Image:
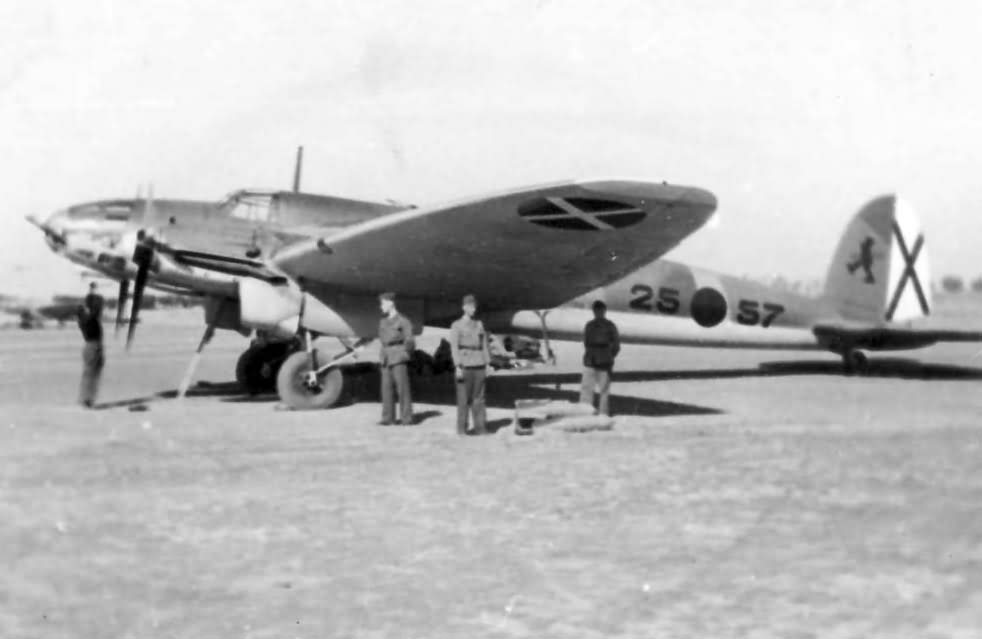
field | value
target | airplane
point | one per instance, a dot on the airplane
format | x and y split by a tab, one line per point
31	314
290	267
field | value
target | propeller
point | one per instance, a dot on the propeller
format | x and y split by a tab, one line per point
144	255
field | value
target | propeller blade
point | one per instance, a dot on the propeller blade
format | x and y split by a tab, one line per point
297	169
143	257
124	291
149	211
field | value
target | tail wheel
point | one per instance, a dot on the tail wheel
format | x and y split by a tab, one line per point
296	391
855	362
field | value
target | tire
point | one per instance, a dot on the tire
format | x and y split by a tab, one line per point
258	366
244	369
295	394
855	363
271	358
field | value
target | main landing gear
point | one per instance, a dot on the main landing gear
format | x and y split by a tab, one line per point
259	364
307	382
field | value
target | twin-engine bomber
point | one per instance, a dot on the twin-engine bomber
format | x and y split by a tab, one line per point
287	267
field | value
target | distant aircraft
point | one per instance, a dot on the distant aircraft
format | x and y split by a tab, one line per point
290	266
34	315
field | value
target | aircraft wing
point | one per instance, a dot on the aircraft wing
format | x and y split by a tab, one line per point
535	247
889	337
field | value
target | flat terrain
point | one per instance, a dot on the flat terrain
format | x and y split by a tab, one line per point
741	494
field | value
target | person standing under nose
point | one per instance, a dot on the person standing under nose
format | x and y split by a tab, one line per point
89	315
602	344
395	332
472	359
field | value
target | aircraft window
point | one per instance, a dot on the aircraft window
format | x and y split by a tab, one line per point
84	210
117	213
254	207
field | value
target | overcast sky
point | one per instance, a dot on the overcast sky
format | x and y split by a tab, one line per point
792	113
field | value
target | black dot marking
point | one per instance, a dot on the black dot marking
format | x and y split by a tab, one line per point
708	307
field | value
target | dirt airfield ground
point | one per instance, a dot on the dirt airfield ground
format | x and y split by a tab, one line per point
741	494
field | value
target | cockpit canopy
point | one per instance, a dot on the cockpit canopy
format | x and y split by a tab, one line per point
289	208
250	205
110	210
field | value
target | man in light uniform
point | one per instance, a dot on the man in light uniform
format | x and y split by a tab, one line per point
472	359
93	356
395	332
602	343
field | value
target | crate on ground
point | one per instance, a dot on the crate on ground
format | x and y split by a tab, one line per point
531	414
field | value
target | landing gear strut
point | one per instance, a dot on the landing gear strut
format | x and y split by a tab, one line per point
304	383
550	354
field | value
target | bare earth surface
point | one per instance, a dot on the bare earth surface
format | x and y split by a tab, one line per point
741	494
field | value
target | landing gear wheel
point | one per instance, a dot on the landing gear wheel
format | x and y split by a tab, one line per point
258	366
296	391
855	363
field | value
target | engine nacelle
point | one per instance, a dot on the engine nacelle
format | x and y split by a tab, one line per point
284	310
223	312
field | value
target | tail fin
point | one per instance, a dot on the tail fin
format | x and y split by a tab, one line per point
880	271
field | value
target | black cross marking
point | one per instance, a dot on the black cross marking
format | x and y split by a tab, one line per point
910	259
568	211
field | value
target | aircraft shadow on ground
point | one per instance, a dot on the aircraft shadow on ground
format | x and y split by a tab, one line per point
503	390
897	367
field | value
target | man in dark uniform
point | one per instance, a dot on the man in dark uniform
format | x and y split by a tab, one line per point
472	359
602	343
395	332
93	357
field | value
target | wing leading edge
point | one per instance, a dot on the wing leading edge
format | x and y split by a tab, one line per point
535	247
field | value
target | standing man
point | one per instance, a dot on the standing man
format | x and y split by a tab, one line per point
93	357
471	358
602	343
395	332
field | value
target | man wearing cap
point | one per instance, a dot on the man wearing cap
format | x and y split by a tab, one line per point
395	333
471	358
602	343
89	315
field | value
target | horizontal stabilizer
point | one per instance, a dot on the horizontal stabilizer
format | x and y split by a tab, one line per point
840	338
